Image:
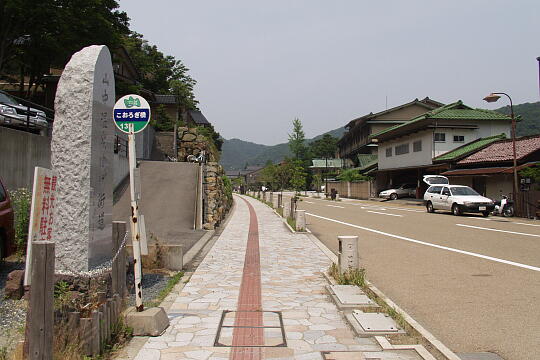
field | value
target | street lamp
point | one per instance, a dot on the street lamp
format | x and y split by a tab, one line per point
493	97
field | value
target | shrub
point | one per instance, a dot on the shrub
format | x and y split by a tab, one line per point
21	200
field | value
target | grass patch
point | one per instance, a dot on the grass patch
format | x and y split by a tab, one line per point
292	223
350	277
175	279
280	211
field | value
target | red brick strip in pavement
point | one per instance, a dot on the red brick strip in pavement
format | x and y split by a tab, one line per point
249	310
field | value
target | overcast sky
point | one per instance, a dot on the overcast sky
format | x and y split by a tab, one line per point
260	64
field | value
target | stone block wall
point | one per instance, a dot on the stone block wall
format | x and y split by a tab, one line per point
192	143
216	202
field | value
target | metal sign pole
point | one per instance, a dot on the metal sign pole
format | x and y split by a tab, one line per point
135	237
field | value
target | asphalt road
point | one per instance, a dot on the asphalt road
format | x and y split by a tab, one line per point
473	282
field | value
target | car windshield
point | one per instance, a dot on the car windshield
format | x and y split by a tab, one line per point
4	99
464	191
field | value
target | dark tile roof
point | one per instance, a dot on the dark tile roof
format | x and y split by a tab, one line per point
165	99
469	148
198	117
502	151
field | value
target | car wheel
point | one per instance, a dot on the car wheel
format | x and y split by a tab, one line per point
485	213
429	207
393	196
456	210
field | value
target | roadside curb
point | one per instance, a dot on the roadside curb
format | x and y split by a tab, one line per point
434	344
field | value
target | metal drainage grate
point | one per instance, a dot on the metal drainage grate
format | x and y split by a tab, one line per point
256	329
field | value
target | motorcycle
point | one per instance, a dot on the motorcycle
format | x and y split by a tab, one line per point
504	207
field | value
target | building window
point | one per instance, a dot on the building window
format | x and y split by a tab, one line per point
417	146
440	137
389	152
459	138
402	149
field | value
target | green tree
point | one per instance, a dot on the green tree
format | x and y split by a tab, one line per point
298	176
324	147
268	175
351	175
36	35
297	141
161	121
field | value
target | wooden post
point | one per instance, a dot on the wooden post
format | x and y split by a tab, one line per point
109	318
86	336
96	340
119	265
102	310
41	316
74	323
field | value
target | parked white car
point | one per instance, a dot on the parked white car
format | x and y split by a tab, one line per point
405	190
458	199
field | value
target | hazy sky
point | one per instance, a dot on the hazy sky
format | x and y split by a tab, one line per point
259	64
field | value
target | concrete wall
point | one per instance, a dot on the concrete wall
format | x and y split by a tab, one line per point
20	152
355	190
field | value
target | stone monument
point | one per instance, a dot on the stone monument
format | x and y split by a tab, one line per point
82	155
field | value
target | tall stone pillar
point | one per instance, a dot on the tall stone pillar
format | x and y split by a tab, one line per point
82	155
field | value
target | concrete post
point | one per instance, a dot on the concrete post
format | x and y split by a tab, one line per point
300	220
337	197
275	202
286	209
271	197
348	254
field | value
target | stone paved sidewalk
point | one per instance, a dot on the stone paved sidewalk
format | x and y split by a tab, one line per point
291	286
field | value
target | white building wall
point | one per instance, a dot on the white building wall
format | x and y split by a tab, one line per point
431	149
410	159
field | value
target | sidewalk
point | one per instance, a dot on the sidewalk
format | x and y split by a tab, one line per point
259	289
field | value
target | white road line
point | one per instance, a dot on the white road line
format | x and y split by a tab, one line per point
508	262
497	230
523	223
376	212
341	207
308	202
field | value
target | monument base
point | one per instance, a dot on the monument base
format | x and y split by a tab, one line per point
149	322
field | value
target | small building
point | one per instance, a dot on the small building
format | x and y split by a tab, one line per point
324	166
490	170
195	118
406	151
169	103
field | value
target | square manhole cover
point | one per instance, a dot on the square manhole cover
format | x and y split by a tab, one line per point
375	322
251	329
351	295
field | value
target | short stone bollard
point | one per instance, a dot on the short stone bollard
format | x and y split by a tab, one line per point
348	254
337	197
300	220
286	209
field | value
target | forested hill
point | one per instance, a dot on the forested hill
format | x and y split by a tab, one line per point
237	153
530	117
